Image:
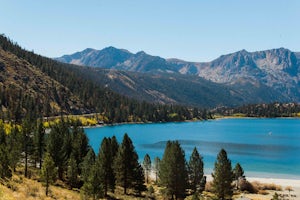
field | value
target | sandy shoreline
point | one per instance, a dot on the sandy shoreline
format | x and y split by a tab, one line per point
295	184
278	181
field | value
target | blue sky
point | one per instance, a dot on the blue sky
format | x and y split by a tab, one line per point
193	30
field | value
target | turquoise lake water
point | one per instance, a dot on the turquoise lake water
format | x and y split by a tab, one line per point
264	147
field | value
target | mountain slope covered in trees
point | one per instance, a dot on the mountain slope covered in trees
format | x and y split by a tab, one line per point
76	92
23	87
271	75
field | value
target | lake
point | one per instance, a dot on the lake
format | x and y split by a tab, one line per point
264	147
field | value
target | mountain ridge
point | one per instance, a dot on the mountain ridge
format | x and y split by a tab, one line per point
274	69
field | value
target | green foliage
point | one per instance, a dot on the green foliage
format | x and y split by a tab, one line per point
5	171
79	144
156	167
222	177
196	173
263	110
72	172
173	171
104	161
126	166
27	132
48	172
147	166
87	163
14	145
39	143
93	187
55	147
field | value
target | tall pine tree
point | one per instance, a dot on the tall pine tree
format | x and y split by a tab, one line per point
39	143
105	160
126	166
223	177
196	172
48	172
156	167
173	170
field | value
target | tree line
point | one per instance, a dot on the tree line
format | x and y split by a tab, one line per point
64	153
263	110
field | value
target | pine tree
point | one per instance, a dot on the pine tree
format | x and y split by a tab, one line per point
48	172
238	173
5	171
126	165
195	172
87	163
156	168
139	180
223	177
27	142
114	146
55	147
93	186
39	143
147	166
80	144
14	145
104	160
72	172
173	170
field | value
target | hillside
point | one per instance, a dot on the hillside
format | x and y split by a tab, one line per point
174	88
36	92
50	88
263	76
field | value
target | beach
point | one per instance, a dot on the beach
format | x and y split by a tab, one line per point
295	184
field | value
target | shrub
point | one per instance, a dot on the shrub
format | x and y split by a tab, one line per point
247	186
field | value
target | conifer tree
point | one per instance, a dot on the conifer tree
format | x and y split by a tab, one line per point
195	172
5	171
39	142
156	167
86	165
238	172
223	177
80	144
114	146
126	165
147	166
14	145
55	147
104	160
93	186
139	180
72	172
48	172
173	171
27	142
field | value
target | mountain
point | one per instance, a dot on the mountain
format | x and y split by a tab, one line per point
271	75
166	88
113	58
35	86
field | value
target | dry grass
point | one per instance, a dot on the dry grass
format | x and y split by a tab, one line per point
19	188
266	186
